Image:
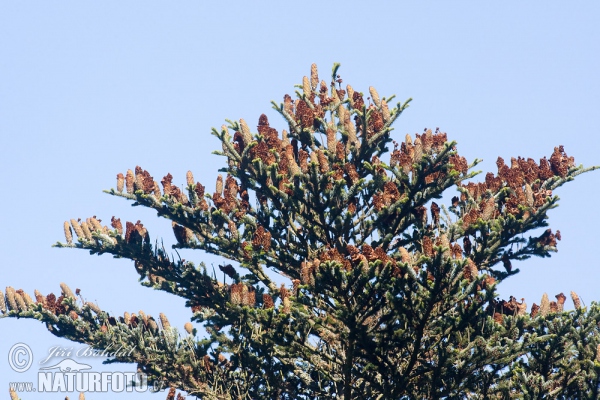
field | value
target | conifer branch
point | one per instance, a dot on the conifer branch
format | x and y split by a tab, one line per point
385	293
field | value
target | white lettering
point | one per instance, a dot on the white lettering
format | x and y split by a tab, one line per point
96	380
143	383
92	382
70	378
118	382
59	384
45	381
85	352
57	351
105	381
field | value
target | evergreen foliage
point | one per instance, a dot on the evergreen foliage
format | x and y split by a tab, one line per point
342	275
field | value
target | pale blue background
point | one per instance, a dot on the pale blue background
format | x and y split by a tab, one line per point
88	90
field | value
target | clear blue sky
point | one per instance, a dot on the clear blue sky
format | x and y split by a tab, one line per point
90	90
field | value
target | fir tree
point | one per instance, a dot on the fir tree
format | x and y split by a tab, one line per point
386	294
